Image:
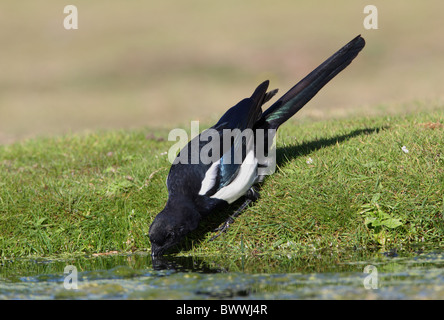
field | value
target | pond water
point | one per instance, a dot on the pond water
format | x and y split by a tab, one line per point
353	274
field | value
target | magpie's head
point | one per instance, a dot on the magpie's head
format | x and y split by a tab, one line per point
170	226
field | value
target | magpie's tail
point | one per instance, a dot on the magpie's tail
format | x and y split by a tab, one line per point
301	93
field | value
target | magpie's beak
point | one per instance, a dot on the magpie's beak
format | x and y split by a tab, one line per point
156	251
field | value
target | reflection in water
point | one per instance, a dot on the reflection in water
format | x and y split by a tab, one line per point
182	264
320	275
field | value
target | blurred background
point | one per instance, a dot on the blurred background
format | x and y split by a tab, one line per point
163	63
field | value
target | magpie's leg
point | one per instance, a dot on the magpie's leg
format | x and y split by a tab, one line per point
251	196
224	227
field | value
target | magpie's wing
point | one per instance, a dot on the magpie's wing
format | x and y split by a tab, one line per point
233	144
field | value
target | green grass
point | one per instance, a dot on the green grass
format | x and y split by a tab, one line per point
99	192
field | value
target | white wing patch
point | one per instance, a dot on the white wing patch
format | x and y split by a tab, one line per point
244	180
210	178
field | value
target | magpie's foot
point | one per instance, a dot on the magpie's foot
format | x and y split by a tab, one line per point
224	227
252	194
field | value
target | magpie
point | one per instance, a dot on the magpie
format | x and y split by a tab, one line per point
200	182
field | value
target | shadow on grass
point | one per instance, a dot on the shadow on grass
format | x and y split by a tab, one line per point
283	156
286	154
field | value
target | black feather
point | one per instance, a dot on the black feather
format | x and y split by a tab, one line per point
304	90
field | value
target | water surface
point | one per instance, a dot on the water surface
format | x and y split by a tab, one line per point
353	274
